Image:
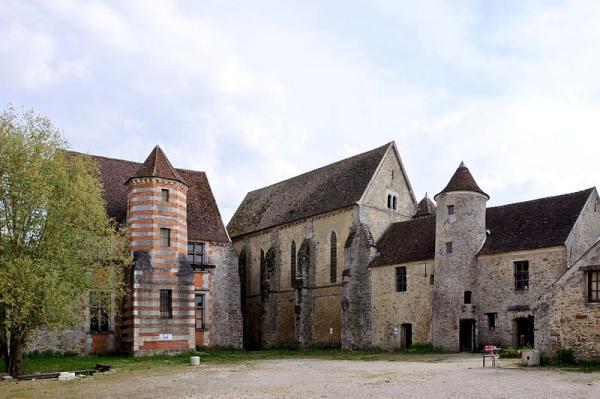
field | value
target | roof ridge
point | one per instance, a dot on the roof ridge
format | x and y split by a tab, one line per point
323	167
542	198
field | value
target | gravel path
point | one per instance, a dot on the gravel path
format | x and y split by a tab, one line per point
448	377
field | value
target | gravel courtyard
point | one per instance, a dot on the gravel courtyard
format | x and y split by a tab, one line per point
444	376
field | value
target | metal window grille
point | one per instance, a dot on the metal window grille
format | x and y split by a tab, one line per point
166	304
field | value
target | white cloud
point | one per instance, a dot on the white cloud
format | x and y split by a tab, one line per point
257	92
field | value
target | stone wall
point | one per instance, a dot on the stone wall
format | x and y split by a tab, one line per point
565	318
586	230
496	290
225	312
320	299
64	341
391	309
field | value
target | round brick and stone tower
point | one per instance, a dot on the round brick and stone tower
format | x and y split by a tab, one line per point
460	233
159	311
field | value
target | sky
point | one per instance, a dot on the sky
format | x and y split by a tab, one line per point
254	92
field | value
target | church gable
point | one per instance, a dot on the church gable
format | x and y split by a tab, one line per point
390	188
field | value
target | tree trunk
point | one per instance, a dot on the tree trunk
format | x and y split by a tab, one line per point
15	358
4	354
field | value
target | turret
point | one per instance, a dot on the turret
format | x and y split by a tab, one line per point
460	233
426	207
162	281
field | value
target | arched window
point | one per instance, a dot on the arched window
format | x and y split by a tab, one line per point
333	257
394	204
293	264
389	203
262	266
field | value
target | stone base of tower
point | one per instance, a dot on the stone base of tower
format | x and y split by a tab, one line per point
146	330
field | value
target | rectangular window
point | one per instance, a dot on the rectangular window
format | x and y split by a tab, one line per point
450	209
165	237
467	297
99	311
200	312
522	275
594	286
195	254
401	279
166	304
449	247
165	194
491	319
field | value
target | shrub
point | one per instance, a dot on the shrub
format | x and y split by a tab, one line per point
511	353
424	347
564	357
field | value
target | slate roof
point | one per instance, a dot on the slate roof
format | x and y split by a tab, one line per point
157	165
462	180
204	219
541	223
335	186
425	208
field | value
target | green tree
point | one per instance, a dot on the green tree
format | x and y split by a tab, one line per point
56	241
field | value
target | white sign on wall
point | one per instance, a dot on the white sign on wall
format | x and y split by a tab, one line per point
165	337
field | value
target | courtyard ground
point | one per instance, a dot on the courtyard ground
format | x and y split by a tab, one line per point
423	376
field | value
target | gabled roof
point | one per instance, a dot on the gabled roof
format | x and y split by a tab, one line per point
462	180
158	165
204	219
541	223
425	208
335	186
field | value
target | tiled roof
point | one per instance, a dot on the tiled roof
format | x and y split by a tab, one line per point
157	165
408	241
425	208
335	186
204	219
540	223
462	180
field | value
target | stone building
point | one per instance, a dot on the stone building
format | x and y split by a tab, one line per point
183	287
343	255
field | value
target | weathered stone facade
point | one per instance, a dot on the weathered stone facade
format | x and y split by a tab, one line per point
471	275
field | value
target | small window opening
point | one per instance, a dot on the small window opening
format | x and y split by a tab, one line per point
401	279
491	319
467	297
394	202
333	258
392	174
165	194
450	209
389	201
200	311
165	237
166	304
449	247
431	279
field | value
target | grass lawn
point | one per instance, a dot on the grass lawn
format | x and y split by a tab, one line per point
53	363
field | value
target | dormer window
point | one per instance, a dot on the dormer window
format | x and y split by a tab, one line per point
164	195
450	209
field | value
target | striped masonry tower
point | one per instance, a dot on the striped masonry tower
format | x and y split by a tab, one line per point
159	311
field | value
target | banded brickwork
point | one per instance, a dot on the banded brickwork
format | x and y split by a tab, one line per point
157	235
203	281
